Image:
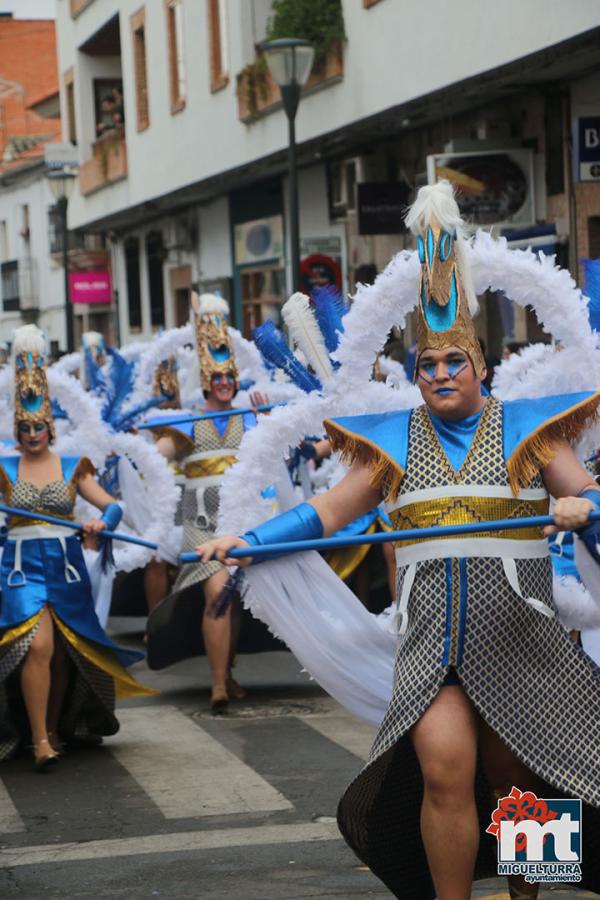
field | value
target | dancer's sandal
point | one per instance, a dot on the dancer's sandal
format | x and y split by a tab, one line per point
219	702
46	760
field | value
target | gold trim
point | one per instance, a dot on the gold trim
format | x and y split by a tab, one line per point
26	522
538	449
17	631
105	659
212	465
386	474
467	510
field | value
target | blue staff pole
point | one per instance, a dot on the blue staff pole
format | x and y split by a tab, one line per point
76	526
410	534
201	417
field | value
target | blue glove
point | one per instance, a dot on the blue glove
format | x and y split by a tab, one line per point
301	523
112	515
590	534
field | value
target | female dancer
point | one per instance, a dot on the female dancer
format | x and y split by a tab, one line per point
59	672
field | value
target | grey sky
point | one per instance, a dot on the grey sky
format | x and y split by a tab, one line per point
29	9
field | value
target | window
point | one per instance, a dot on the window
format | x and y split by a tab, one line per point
24	230
9	274
176	59
4	248
155	256
219	51
138	29
594	237
132	270
108	106
69	83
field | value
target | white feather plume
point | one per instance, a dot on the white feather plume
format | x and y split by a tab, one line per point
29	339
306	333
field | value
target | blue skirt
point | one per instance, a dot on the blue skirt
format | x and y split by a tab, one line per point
45	583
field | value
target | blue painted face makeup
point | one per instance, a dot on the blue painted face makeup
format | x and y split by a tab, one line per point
455	365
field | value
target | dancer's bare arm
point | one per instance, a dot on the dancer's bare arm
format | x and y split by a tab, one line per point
565	478
352	497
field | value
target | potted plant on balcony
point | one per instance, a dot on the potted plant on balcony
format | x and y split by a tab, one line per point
319	21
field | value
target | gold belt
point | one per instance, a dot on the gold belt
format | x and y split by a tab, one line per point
466	510
22	521
212	465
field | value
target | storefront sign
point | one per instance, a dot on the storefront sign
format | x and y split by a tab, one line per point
381	207
90	287
587	136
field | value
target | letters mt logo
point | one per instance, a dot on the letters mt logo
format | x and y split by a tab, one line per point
538	838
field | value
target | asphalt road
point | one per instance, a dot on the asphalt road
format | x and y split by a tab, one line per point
181	805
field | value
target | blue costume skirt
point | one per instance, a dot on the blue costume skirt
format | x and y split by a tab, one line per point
48	575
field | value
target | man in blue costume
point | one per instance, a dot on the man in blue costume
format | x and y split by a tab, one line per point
489	690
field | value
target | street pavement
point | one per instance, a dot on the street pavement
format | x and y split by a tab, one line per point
181	805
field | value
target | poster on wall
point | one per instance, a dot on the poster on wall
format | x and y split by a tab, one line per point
494	187
320	263
586	148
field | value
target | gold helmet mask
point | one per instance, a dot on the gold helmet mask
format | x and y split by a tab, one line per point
32	397
445	292
213	341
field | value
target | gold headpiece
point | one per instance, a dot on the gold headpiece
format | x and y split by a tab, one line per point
165	383
444	314
213	341
32	397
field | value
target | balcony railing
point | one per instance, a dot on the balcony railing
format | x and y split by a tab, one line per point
19	279
259	95
107	165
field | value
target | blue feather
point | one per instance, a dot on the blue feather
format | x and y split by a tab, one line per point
121	386
127	419
93	373
329	309
273	347
591	271
57	411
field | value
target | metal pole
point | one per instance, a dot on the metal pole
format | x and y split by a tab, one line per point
65	252
290	95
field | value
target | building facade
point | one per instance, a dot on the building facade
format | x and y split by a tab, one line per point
182	142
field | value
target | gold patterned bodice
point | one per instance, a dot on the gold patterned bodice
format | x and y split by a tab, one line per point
207	441
433	493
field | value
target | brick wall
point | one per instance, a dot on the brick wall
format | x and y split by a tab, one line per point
28	72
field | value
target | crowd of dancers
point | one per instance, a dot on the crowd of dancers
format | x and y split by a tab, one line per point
483	672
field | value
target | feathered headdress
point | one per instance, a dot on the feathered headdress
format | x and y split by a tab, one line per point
446	296
314	324
32	397
165	383
213	341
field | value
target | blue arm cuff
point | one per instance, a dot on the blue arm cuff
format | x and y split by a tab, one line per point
112	515
297	524
590	534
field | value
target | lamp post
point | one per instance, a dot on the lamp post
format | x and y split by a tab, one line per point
61	182
290	61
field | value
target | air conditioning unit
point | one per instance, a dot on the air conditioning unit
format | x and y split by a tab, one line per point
344	175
